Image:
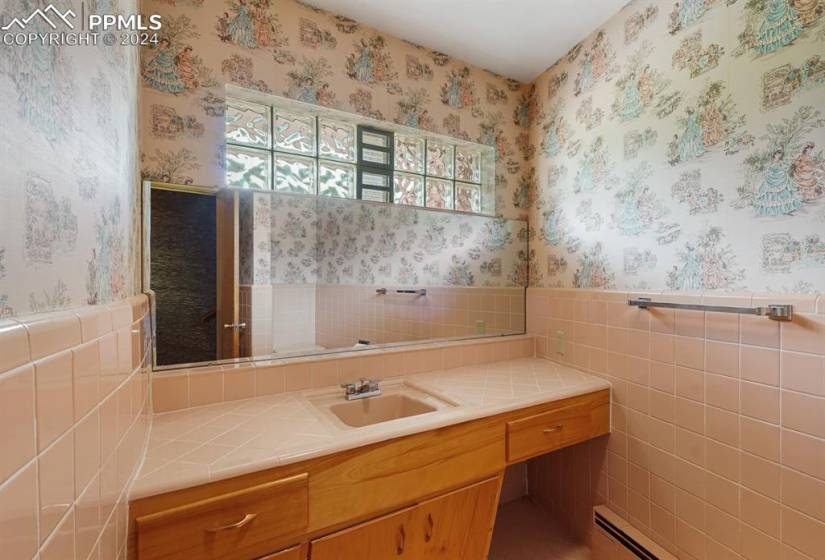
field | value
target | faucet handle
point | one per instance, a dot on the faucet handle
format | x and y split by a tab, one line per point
349	387
373	383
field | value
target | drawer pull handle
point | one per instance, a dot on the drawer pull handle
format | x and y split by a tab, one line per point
428	533
247	519
402	541
553	429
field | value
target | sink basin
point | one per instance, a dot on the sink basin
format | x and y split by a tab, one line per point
396	401
373	410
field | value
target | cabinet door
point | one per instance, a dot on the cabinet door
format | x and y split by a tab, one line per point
293	553
454	526
384	538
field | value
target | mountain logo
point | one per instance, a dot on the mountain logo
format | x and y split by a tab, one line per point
50	10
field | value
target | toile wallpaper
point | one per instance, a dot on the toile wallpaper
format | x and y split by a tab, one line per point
289	49
296	239
642	158
68	217
680	147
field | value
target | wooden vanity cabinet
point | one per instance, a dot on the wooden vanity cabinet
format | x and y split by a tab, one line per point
416	497
457	525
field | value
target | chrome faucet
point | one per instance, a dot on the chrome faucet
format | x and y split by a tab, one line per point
361	389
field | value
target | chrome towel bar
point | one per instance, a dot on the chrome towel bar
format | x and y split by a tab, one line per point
418	292
777	312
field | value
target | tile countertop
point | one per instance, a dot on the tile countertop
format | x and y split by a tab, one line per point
199	445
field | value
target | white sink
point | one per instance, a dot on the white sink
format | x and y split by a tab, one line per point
397	400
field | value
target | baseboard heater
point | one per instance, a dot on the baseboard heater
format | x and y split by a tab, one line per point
623	538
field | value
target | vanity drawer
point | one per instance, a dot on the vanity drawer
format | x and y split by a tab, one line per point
554	429
239	525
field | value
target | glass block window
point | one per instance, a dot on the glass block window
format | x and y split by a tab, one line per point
336	179
247	168
440	167
248	125
337	140
440	160
326	155
468	165
409	189
439	194
294	133
409	154
467	197
295	174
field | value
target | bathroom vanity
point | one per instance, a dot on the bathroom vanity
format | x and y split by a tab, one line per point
376	480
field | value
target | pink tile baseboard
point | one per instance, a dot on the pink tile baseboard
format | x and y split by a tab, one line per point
717	445
74	389
179	389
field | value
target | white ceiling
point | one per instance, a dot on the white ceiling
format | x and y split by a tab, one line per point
516	38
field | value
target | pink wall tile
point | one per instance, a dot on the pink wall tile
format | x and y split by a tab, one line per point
50	333
760	438
690	383
722	460
731	442
722	392
803	372
239	384
95	322
760	401
804	494
759	364
17	430
804	334
760	475
760	512
206	388
722	358
14	345
54	397
42	509
756	331
87	449
757	545
803	533
170	392
804	413
86	377
55	470
18	514
60	545
690	352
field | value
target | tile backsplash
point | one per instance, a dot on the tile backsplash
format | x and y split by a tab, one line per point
74	389
184	388
717	445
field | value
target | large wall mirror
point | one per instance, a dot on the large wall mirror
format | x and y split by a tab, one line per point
241	274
